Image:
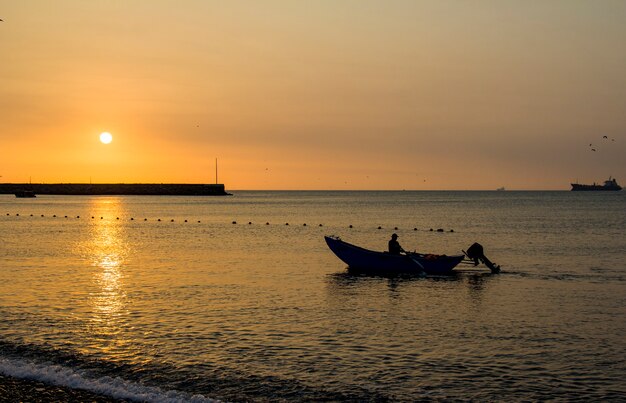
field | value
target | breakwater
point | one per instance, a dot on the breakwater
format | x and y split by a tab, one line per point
139	189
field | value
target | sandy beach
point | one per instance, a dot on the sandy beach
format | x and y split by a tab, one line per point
24	390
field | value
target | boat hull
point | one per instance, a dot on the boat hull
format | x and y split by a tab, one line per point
364	260
25	194
578	187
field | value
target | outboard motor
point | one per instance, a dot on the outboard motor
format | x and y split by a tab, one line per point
476	253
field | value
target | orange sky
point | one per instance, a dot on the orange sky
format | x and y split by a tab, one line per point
314	95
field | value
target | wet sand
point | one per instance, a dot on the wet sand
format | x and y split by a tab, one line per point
24	390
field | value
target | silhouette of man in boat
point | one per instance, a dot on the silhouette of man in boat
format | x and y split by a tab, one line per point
394	245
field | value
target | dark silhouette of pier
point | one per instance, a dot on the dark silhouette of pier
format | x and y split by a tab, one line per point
139	189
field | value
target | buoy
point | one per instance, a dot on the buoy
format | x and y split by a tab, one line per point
439	229
350	226
101	218
304	225
172	220
19	215
42	215
234	222
451	230
395	228
321	225
414	229
286	223
431	230
379	227
132	219
145	219
91	216
159	219
54	215
267	223
249	222
65	216
117	218
198	221
31	215
185	220
77	216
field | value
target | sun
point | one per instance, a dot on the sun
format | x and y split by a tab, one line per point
106	137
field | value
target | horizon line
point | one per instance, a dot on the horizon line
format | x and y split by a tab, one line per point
292	190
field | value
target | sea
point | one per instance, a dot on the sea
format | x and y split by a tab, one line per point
238	298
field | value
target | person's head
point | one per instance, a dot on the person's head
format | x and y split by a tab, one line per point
394	236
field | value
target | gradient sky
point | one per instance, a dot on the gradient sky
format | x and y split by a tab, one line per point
314	94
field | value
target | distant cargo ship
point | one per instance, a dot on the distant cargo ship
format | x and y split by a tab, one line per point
610	184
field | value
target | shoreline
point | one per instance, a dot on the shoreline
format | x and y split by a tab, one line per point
28	390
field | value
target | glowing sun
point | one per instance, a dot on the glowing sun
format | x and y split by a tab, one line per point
106	137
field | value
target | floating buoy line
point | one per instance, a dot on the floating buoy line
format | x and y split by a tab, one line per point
234	222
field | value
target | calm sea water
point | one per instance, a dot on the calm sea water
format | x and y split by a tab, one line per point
194	307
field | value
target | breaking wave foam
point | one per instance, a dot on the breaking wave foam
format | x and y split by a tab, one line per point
113	387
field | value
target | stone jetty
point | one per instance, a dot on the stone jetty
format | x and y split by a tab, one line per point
139	189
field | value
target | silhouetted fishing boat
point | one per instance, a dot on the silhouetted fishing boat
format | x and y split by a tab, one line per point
610	184
25	193
369	261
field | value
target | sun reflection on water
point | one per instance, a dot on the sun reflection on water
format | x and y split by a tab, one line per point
107	251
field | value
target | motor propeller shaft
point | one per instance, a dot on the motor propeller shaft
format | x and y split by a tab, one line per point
476	253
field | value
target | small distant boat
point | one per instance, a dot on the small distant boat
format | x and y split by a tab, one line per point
610	184
501	189
25	193
369	261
